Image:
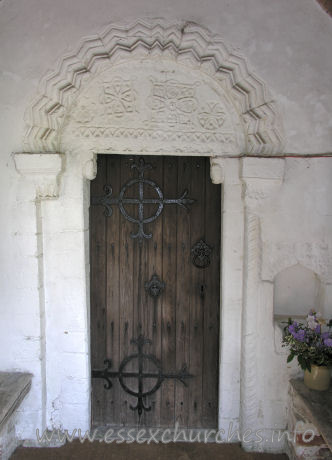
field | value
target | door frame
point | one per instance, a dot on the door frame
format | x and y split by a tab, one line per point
56	193
60	184
56	213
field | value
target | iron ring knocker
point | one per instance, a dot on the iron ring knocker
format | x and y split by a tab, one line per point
200	254
155	287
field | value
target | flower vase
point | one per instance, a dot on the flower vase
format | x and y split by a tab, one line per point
318	378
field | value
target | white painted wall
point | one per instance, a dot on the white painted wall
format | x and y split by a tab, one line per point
288	45
296	225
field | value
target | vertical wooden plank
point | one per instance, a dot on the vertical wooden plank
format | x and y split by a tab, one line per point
98	292
212	302
197	287
168	320
140	273
183	291
127	300
113	289
153	307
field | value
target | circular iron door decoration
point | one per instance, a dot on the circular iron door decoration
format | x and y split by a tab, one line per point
200	254
140	375
140	200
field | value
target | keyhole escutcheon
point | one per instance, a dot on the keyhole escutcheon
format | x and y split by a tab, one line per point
202	290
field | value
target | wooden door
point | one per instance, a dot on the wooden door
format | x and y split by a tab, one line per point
155	226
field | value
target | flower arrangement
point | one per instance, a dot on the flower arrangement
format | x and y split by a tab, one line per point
310	342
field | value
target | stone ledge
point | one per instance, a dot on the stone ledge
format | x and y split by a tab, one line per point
13	388
317	406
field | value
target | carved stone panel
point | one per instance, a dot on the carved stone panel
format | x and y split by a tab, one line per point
157	107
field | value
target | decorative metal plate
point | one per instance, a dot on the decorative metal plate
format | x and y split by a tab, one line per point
201	253
140	201
140	374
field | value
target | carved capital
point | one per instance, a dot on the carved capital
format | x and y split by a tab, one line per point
89	168
217	172
262	177
43	169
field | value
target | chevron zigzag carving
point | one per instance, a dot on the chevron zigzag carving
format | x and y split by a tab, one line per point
185	43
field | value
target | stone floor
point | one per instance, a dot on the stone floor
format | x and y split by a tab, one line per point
174	451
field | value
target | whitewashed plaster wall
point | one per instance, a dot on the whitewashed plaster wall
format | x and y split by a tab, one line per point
288	46
286	224
287	43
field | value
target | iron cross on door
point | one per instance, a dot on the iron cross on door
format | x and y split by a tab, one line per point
154	254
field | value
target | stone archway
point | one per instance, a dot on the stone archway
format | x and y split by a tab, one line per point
155	88
183	43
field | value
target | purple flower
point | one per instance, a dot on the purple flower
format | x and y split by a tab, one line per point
317	330
292	327
300	335
325	335
328	342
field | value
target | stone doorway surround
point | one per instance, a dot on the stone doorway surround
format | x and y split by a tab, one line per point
189	74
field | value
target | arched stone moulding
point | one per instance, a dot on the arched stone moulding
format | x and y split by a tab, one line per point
184	43
255	121
315	256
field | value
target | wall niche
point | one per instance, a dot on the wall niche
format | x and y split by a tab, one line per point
296	290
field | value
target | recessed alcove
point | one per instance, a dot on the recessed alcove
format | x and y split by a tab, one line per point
296	290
